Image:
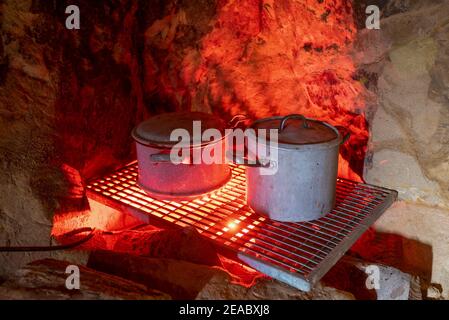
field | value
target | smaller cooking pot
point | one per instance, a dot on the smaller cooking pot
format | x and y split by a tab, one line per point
159	176
304	164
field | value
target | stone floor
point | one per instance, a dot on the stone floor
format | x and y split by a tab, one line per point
425	242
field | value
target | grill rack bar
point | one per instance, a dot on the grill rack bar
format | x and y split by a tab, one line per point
296	253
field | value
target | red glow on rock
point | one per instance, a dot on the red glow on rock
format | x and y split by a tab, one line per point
279	57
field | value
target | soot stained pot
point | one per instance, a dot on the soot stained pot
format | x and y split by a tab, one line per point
304	186
161	178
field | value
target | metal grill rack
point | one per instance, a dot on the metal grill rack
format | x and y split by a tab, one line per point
296	253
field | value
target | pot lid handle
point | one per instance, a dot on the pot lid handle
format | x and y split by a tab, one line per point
293	116
236	120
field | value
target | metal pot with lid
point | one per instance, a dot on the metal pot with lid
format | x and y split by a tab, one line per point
305	159
163	179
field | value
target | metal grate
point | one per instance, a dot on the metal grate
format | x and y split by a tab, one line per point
295	253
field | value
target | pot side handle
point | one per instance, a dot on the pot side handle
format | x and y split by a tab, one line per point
160	157
245	161
237	120
165	158
345	133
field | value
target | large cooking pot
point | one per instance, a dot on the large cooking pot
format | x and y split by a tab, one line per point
159	176
304	165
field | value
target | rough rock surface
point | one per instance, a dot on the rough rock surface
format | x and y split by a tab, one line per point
46	279
183	244
410	129
179	244
371	280
183	280
348	279
180	279
220	288
407	67
67	98
414	239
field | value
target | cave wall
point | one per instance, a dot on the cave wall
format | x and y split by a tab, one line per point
262	58
69	98
409	56
407	65
68	101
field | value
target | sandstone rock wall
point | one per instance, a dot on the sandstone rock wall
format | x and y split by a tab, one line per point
409	147
68	99
407	61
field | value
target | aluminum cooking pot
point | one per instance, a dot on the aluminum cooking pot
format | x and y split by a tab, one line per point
161	178
303	187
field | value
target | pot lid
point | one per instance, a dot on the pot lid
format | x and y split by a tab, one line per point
157	130
298	130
